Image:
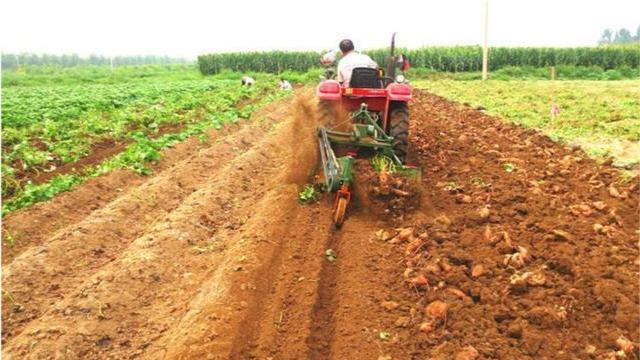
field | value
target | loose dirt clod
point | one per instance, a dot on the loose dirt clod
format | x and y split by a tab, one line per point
403	234
419	282
428	326
457	293
385	235
444	221
615	193
625	345
477	271
487	234
390	305
561	235
518	259
600	205
529	278
581	210
437	310
484	212
467	353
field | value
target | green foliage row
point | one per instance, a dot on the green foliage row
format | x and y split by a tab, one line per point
45	126
90	74
145	148
563	72
97	74
449	59
271	62
59	124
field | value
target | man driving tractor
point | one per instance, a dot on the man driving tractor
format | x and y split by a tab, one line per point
351	60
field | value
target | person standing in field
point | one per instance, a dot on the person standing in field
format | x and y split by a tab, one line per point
247	81
285	85
351	60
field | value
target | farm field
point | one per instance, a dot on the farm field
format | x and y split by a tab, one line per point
600	116
56	136
240	180
513	246
55	75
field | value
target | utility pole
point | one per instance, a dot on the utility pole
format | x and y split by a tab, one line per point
111	62
485	48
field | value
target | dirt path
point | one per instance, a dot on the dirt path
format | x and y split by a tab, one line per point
214	258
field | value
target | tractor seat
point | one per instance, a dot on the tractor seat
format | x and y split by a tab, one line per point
363	77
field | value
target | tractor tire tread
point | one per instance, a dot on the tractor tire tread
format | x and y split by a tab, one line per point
399	123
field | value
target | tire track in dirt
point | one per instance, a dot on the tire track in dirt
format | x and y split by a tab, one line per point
95	316
348	317
42	275
318	309
279	322
320	339
350	327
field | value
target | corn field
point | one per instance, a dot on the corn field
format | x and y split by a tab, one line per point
450	59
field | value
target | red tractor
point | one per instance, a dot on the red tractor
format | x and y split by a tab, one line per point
378	103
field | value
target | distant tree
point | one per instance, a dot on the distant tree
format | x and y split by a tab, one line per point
623	36
637	37
606	37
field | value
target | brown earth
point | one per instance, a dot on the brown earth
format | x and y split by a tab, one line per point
212	257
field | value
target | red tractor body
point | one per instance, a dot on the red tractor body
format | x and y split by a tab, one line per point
377	100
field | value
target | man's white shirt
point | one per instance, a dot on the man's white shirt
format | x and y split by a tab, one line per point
247	80
351	61
285	85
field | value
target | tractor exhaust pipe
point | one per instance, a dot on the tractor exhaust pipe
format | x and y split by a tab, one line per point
391	60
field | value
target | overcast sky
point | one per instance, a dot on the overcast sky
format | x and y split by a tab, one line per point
188	28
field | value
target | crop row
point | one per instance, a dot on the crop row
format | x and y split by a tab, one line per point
46	126
144	149
453	59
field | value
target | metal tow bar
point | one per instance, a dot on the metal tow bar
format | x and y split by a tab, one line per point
338	176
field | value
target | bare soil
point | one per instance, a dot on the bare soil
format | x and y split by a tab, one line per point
529	246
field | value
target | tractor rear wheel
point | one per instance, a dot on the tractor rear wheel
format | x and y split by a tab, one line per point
399	130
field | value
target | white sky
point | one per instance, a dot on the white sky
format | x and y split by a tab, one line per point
189	28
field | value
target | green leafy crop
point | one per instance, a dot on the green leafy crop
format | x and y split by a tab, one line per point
308	194
44	127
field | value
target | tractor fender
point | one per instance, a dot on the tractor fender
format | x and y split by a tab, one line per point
399	92
329	90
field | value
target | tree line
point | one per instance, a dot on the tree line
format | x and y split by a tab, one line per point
622	36
13	61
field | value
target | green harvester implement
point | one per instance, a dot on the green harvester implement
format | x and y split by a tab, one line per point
338	171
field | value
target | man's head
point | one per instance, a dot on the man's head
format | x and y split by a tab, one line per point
346	46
